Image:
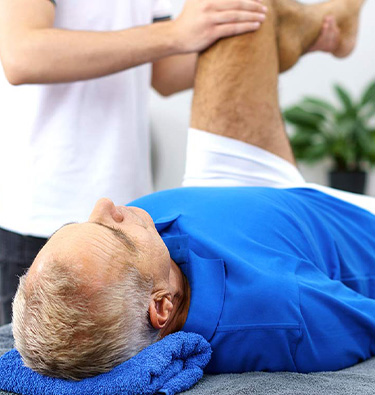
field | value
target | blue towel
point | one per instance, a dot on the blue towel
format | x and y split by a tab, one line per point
171	365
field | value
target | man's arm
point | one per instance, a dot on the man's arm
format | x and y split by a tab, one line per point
33	51
174	74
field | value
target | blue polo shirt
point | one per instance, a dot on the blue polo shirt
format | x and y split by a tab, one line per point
281	279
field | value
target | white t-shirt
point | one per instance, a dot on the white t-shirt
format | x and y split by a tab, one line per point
63	146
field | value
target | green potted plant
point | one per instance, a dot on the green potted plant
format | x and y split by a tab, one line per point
344	133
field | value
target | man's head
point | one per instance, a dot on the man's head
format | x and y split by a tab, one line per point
97	294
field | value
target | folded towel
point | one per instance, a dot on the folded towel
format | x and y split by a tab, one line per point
171	365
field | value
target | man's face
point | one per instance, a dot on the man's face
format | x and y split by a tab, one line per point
113	236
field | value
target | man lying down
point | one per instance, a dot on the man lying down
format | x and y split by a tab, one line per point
274	273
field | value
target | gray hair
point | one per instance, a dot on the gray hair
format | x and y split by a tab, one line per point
61	329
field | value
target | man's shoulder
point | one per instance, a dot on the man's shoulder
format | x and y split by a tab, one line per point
210	200
239	205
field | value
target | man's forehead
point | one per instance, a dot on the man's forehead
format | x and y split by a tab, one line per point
118	233
91	249
61	227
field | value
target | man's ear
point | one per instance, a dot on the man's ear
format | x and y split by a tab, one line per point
160	310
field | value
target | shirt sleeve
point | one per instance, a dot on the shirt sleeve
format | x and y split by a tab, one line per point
162	10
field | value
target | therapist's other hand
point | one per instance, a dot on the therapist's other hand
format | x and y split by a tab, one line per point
202	22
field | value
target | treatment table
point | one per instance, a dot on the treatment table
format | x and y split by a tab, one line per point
356	380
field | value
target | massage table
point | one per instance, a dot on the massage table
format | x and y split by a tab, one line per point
359	379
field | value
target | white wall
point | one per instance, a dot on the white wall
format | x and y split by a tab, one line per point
314	75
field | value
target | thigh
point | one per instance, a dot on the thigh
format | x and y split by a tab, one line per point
17	252
236	89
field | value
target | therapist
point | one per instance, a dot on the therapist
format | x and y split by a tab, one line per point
77	127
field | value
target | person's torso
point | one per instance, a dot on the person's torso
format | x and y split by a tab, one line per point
63	146
264	267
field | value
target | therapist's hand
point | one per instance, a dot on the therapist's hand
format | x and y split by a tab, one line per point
202	22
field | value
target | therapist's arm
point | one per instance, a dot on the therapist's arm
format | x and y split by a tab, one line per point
174	74
33	51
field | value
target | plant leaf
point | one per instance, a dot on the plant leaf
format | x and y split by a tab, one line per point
300	117
343	153
371	153
301	140
369	95
346	134
319	104
344	97
367	112
315	152
347	126
367	145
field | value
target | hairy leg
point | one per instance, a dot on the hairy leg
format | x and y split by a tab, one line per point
236	91
236	84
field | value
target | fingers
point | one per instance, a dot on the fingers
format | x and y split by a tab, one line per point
243	5
235	17
229	11
202	22
238	16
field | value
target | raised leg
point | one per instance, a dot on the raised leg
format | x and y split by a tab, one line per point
236	89
236	84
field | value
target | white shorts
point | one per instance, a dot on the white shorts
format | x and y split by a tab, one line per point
218	161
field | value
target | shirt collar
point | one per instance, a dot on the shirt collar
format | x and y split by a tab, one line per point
206	280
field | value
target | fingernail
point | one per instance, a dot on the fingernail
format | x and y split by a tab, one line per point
264	8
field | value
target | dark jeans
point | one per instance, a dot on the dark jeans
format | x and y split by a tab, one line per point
17	253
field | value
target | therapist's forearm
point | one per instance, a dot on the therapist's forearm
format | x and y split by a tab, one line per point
53	55
174	74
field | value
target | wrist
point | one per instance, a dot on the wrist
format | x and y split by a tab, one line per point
174	33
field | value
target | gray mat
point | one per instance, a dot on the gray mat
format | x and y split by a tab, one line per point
357	380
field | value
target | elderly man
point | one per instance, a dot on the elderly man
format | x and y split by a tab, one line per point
277	276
